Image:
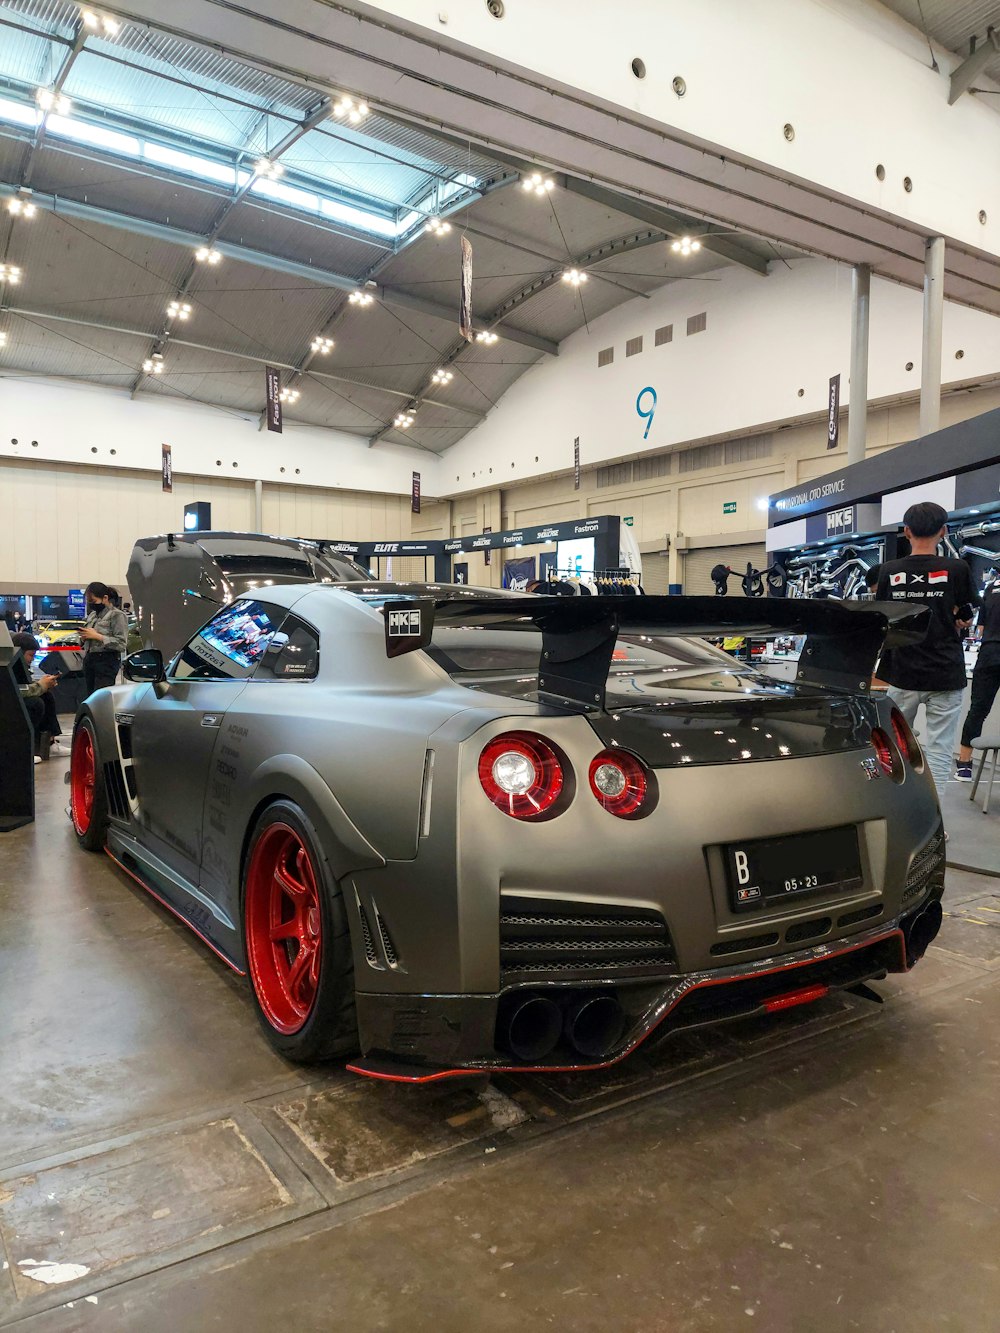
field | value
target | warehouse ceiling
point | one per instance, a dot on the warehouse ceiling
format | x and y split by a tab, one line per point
140	171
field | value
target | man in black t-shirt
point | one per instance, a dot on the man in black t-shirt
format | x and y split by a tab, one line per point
932	672
985	681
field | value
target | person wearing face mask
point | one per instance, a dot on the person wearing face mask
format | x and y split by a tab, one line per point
104	637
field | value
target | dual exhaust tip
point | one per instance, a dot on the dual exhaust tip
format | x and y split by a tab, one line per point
593	1026
922	931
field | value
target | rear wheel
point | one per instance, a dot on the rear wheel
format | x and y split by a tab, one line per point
297	938
88	800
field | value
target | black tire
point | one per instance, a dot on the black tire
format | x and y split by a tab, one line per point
330	1027
91	833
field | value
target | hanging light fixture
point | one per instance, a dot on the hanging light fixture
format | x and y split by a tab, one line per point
105	23
686	246
350	110
322	345
10	273
437	226
442	376
404	420
289	395
178	310
487	336
21	208
153	365
50	100
265	167
361	298
538	184
3	338
206	254
574	276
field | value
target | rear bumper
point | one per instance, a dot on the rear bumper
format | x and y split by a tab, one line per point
422	1038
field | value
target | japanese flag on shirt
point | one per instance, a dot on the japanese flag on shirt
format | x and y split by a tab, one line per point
896	579
938	576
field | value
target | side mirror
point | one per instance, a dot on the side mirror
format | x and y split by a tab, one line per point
147	664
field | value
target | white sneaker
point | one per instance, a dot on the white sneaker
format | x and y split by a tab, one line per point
58	750
38	758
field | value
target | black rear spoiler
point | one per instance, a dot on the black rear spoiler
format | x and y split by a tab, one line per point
843	639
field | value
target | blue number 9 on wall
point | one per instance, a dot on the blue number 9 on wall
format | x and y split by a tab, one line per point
646	412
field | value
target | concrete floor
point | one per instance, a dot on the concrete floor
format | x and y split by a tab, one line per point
833	1168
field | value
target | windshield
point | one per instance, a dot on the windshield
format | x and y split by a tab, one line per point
644	668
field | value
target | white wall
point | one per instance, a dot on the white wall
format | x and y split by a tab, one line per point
86	424
62	526
852	78
765	340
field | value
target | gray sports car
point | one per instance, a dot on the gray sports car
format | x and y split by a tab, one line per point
456	830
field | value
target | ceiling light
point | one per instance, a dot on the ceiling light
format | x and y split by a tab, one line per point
51	100
442	376
574	276
348	109
538	184
361	298
207	255
686	246
179	310
437	226
21	208
103	22
10	273
289	395
153	366
322	345
487	336
265	167
404	420
3	338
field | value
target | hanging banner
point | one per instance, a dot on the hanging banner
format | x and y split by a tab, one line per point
168	468
576	464
415	494
486	545
517	574
465	315
272	388
833	422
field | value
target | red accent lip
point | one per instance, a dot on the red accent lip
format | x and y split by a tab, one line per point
174	912
810	993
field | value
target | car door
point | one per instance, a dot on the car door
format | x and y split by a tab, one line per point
177	726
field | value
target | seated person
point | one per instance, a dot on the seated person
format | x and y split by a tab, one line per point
38	700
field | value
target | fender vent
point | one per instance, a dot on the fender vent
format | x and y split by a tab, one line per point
366	935
391	956
114	785
573	940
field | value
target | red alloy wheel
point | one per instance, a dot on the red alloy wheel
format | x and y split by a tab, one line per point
284	926
82	775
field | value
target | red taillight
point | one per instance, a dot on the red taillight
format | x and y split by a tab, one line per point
883	749
521	774
906	740
619	782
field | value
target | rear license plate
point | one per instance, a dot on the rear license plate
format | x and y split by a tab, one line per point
769	870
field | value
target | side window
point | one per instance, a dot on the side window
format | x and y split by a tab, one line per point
231	645
293	653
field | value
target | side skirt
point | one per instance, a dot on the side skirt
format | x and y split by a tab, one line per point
142	867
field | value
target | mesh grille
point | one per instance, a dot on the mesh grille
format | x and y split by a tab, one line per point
391	956
743	944
565	939
114	785
927	860
606	357
697	323
366	936
664	334
633	346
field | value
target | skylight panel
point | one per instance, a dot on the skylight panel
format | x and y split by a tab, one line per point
188	163
67	127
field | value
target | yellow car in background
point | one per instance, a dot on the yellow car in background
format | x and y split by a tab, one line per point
60	635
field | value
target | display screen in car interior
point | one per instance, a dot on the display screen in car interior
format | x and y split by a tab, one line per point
231	644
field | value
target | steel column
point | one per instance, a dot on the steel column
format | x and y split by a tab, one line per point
857	414
930	357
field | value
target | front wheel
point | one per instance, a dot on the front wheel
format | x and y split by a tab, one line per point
297	940
88	798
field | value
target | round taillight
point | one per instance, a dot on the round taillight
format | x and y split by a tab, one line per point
883	749
619	782
521	774
906	740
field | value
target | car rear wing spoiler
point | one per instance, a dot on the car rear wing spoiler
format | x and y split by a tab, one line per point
842	647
